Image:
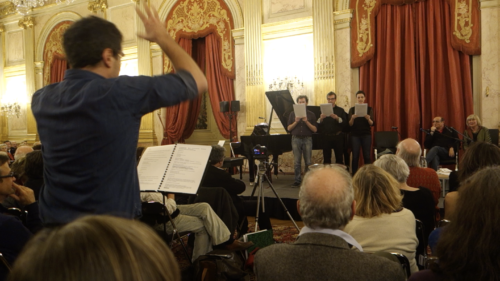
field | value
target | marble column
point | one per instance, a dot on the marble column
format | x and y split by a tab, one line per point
324	49
254	88
347	78
27	23
489	95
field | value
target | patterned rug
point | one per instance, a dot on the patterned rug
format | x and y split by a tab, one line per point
281	234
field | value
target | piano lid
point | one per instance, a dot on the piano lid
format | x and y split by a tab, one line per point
283	102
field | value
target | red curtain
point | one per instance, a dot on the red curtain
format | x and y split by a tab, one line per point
220	87
176	118
57	68
415	74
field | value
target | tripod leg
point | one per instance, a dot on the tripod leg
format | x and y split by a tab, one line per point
260	192
282	204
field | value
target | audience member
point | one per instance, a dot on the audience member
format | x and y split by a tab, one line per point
10	150
199	218
440	141
17	168
97	248
468	247
323	251
13	234
418	200
22	151
37	146
89	122
409	150
215	176
476	157
33	170
3	147
381	223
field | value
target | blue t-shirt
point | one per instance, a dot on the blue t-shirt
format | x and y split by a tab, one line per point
89	128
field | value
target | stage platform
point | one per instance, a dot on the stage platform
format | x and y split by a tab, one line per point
283	186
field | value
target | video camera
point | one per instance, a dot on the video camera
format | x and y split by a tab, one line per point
260	152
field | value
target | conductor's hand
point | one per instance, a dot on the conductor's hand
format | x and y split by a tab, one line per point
155	28
451	153
23	194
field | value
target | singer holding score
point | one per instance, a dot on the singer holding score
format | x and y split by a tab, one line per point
301	129
361	133
440	141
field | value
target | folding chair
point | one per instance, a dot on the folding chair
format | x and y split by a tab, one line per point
405	264
385	143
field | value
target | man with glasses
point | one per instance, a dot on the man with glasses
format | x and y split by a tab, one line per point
89	123
13	234
331	127
440	141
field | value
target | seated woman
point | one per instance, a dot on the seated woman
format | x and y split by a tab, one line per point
418	200
475	132
477	156
381	223
97	248
468	247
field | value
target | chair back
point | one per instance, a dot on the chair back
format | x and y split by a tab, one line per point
405	263
152	213
494	136
16	212
386	140
422	243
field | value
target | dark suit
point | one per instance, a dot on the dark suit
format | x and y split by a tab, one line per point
333	136
215	177
319	256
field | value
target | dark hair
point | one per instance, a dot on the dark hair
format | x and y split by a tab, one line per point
85	40
360	92
303	97
331	94
477	156
468	246
99	248
33	168
37	147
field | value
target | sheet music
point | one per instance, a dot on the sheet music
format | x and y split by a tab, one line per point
326	109
361	109
300	110
186	168
221	143
152	166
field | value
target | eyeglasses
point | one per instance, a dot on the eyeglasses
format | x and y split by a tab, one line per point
331	99
434	121
10	175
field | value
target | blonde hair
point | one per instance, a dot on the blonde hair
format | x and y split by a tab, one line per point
98	248
473	116
376	192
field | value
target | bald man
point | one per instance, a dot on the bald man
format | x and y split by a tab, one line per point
323	251
22	151
409	149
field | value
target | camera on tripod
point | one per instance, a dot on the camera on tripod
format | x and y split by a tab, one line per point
260	152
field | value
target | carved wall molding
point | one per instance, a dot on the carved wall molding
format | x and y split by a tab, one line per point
7	9
97	6
47	29
26	22
53	47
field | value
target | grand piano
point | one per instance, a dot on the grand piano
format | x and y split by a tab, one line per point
276	144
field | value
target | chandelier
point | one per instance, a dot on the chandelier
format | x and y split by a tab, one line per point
11	109
24	6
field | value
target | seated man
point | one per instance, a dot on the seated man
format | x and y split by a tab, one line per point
409	150
215	176
22	151
322	250
198	218
440	142
13	234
